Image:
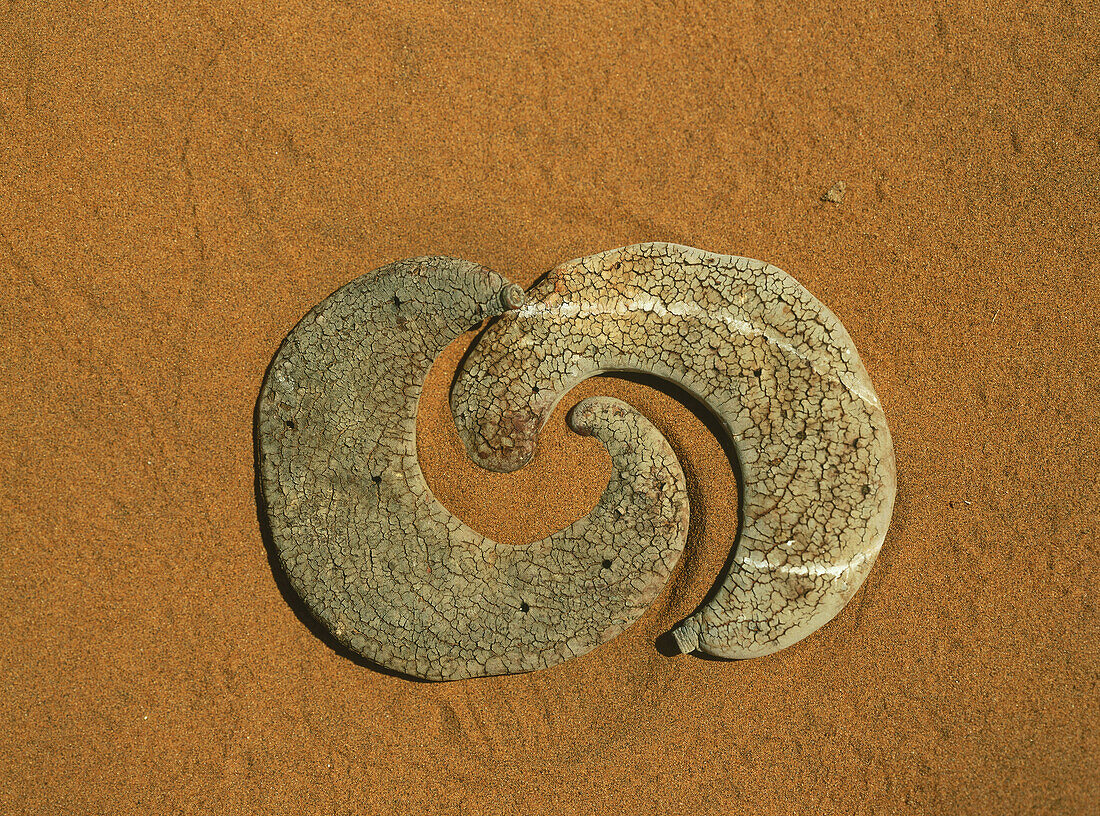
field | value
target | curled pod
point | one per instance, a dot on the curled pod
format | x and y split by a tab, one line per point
776	368
379	561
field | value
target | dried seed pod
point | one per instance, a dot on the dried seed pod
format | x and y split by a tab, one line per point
379	561
769	360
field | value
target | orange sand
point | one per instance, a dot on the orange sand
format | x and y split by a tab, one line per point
180	183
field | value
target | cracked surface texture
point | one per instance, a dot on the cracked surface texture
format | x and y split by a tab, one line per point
769	360
380	562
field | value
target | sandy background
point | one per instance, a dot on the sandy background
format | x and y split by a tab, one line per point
180	182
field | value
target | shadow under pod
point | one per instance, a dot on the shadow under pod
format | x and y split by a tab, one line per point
666	644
